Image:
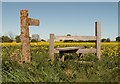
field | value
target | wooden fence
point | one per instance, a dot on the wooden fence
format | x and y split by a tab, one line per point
78	50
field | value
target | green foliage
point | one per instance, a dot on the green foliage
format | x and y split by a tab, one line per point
68	34
6	39
68	41
42	69
105	40
118	39
43	40
34	40
0	39
108	40
18	39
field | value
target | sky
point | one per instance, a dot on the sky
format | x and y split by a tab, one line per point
60	0
61	18
118	19
1	18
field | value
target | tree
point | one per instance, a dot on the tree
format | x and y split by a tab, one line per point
68	34
35	37
108	40
17	38
68	41
118	39
34	40
0	39
11	35
103	40
43	40
6	39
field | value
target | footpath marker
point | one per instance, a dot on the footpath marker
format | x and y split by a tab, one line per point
25	22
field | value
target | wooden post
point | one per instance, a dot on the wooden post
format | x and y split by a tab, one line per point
98	37
25	35
61	54
51	48
25	41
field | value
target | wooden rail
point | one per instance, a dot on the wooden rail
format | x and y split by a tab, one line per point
75	37
86	51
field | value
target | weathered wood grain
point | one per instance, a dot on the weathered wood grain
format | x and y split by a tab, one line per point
68	48
51	47
25	46
77	50
75	38
25	22
86	51
33	22
98	35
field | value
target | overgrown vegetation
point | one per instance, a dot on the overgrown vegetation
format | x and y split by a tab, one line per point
42	69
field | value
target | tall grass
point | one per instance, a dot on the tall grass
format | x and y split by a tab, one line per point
42	69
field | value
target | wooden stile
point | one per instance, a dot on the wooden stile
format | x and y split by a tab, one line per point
77	50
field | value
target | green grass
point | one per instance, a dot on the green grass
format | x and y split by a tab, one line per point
42	69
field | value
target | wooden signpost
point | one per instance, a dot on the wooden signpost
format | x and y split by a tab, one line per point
25	22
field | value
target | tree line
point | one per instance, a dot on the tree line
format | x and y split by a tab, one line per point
17	39
35	39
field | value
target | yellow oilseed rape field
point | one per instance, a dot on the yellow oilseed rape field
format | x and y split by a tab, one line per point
109	48
42	69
